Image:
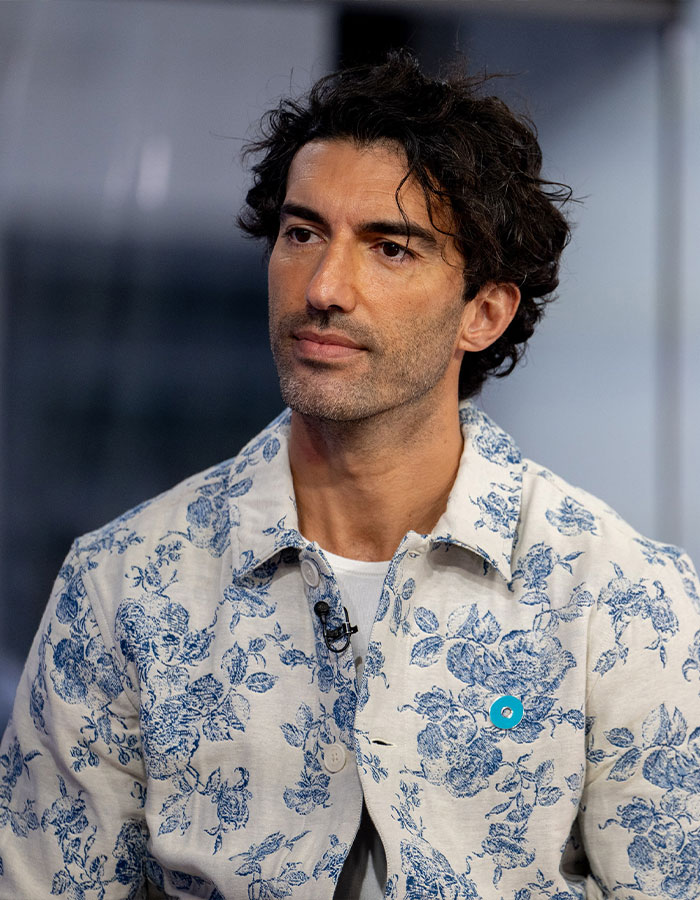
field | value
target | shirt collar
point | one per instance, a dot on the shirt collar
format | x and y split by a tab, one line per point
266	513
482	511
483	508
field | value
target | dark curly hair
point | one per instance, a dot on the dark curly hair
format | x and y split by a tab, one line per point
467	151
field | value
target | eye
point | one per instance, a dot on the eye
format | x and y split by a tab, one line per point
299	235
392	250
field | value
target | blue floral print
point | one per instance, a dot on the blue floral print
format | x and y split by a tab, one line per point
661	554
254	860
15	763
663	843
627	600
173	729
499	511
571	518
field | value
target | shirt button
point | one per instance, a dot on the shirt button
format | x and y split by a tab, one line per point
334	757
309	572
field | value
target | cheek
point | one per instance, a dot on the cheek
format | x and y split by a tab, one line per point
277	284
433	299
286	279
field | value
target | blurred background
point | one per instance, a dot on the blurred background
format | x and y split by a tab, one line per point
133	335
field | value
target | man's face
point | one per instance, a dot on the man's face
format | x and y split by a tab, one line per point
358	324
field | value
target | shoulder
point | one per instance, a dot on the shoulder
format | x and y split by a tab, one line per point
568	516
569	510
572	511
189	508
194	520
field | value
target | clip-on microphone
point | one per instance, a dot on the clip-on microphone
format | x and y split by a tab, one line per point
331	635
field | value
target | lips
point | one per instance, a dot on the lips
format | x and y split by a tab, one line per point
326	337
326	345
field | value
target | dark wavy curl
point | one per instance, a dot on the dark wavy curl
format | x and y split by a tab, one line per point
468	151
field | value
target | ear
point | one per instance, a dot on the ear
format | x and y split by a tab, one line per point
487	315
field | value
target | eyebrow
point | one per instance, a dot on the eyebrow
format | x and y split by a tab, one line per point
408	230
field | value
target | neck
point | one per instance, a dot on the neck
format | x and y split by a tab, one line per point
361	486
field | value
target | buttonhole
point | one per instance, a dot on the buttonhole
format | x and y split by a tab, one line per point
383	743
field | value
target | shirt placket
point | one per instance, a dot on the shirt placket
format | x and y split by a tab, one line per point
337	694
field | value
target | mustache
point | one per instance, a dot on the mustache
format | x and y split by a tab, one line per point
328	320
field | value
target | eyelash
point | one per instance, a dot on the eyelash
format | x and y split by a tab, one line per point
404	251
289	233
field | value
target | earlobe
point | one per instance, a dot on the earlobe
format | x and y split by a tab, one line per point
488	315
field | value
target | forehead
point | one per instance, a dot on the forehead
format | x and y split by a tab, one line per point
357	180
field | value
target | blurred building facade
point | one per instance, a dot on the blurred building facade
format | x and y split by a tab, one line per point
133	336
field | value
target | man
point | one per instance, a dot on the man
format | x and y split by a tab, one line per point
378	604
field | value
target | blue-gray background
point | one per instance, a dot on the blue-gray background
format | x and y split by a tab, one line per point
133	343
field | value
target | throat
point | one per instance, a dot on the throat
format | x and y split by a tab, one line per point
360	505
365	528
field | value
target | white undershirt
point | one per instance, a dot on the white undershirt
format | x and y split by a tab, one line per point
364	874
360	584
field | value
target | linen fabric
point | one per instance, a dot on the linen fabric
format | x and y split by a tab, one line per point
181	729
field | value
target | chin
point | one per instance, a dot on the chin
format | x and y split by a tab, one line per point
331	407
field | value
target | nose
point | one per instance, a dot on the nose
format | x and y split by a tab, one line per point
333	283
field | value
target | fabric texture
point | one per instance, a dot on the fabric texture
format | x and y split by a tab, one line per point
181	729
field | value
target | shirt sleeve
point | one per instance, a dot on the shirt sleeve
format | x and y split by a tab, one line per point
72	780
640	807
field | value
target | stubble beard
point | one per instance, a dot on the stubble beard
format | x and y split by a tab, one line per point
392	380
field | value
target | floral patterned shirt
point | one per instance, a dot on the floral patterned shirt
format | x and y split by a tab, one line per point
527	725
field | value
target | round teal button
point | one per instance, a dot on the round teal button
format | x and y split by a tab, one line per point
506	712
